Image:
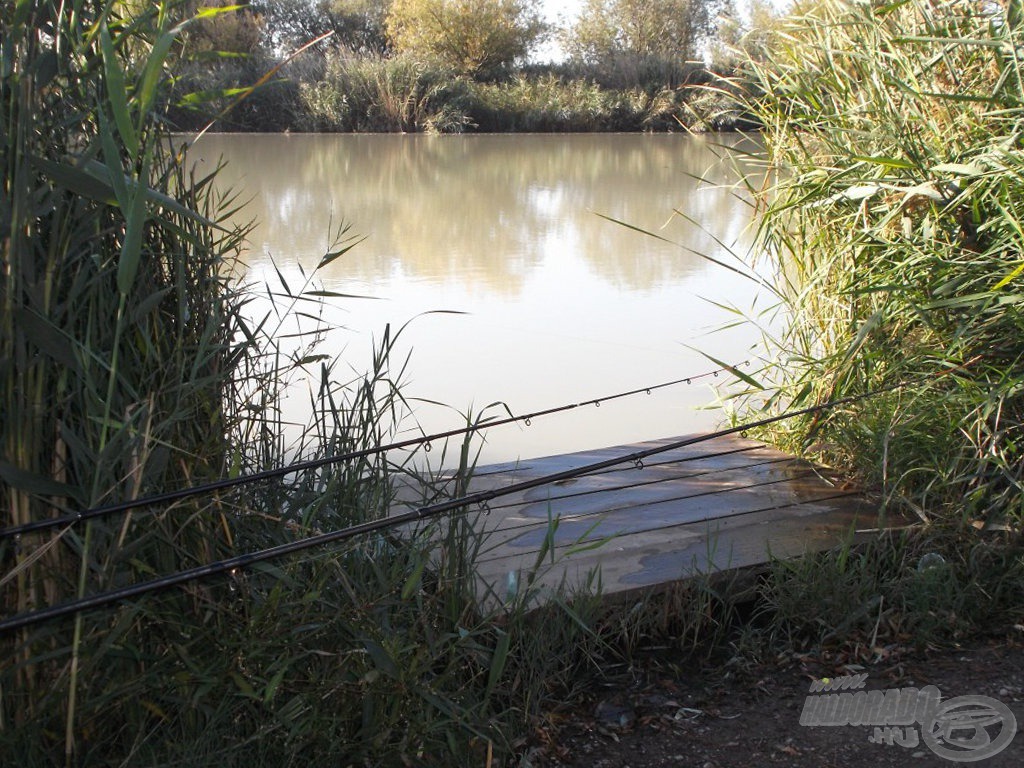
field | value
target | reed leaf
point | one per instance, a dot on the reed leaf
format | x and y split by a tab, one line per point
894	227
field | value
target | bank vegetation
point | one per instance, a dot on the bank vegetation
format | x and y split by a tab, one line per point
131	365
450	66
892	228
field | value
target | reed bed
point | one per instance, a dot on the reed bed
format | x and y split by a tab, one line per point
893	227
335	92
131	364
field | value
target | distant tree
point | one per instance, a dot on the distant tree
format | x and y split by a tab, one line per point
475	37
234	32
746	37
358	25
646	28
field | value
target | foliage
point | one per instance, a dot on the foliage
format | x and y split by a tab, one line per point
130	364
224	34
549	104
118	348
659	29
894	222
203	94
397	94
400	93
358	25
904	588
356	81
480	38
747	37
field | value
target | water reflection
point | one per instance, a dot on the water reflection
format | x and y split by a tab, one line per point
562	305
480	209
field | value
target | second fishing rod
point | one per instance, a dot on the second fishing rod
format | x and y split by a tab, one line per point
73	518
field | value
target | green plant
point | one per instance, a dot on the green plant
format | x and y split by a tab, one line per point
133	363
118	323
374	95
893	226
909	588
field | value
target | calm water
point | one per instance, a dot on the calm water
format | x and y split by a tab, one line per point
557	304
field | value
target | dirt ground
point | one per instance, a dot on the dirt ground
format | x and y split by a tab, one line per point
734	715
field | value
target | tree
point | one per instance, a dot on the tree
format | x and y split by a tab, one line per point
743	38
666	29
358	25
231	32
475	37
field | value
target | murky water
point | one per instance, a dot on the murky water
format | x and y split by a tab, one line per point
557	304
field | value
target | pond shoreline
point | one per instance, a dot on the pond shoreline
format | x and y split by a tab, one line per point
391	96
492	230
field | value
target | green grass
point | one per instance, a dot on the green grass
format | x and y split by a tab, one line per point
892	225
902	590
130	364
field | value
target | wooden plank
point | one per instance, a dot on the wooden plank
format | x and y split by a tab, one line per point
755	512
547	464
589	528
666	555
502	475
632	479
668	502
724	503
665	491
672	465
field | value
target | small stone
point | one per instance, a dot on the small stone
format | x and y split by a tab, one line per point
919	754
614	715
1004	692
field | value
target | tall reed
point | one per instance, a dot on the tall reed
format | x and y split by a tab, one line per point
118	329
131	363
398	94
894	224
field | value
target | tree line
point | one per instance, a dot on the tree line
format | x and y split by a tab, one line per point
452	65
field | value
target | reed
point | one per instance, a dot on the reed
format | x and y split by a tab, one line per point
893	229
548	103
398	94
133	361
117	330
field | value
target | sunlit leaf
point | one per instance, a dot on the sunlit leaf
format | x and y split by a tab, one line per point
153	72
117	93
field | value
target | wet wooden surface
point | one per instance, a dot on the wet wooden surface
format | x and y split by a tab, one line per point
721	504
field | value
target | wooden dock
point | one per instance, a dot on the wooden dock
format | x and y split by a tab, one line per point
722	504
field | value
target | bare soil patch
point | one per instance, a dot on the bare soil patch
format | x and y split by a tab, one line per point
731	714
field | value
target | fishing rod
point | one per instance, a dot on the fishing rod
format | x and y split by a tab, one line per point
73	518
422	513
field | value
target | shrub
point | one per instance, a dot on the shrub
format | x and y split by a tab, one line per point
378	95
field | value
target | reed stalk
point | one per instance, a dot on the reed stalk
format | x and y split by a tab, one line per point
131	363
893	226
